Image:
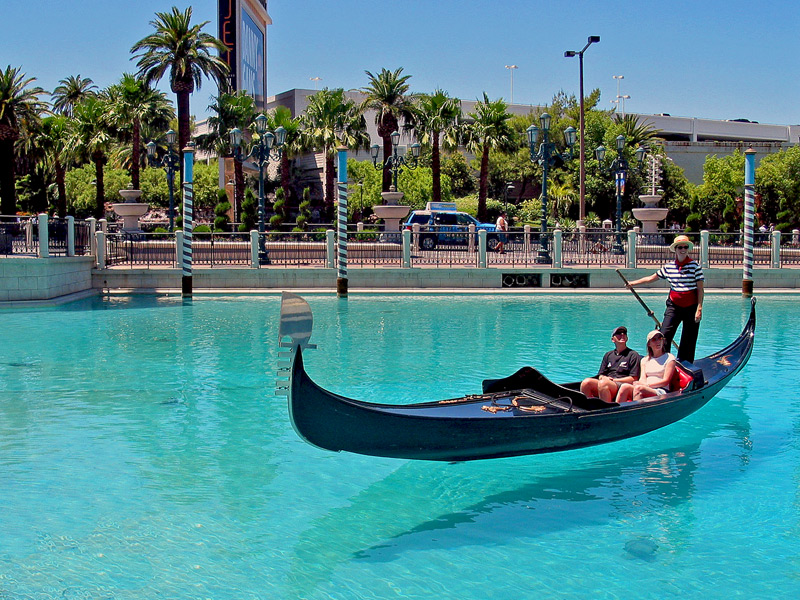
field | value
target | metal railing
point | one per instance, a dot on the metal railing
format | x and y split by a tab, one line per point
221	249
594	249
296	249
141	250
19	236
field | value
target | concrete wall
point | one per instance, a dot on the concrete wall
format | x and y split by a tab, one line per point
44	278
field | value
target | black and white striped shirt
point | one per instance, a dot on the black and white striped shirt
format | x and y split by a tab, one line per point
682	279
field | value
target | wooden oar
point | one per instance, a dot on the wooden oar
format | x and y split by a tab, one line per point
644	306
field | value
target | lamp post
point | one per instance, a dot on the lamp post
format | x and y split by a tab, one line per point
170	163
545	156
620	169
622	98
267	145
511	68
509	187
395	162
593	39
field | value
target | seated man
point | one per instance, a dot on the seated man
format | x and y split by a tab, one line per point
620	365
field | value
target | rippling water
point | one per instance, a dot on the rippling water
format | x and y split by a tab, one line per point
143	455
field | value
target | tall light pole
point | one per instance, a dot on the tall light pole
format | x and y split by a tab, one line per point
546	157
268	144
316	81
622	99
619	78
511	68
593	39
395	162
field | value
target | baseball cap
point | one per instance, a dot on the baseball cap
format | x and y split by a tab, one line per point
620	329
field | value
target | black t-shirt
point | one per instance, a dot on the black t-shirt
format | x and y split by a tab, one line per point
624	364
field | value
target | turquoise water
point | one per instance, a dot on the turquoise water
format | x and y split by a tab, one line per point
143	455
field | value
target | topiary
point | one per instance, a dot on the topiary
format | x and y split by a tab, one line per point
249	211
694	222
305	211
280	202
221	220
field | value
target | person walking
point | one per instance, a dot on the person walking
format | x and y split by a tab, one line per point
502	228
685	300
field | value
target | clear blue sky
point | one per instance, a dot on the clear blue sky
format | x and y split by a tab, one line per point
710	59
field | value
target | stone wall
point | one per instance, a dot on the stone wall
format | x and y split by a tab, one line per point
44	278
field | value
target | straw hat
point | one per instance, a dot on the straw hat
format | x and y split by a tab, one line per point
679	240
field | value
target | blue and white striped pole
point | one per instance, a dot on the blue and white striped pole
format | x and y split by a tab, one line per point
749	220
341	226
188	213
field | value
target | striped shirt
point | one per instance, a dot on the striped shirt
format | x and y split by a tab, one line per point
682	281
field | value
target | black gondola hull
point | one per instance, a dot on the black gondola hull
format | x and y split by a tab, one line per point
463	429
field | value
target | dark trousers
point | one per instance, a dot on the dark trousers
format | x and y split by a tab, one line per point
674	316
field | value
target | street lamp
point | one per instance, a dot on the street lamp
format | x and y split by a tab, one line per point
620	169
546	157
593	39
267	145
395	162
511	68
509	188
170	163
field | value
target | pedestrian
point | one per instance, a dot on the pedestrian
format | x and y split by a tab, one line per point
502	228
685	300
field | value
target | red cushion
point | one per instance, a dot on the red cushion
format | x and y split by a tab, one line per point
680	379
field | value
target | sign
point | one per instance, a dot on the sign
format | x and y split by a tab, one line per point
252	76
227	33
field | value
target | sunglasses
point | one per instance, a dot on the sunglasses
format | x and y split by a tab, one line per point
681	247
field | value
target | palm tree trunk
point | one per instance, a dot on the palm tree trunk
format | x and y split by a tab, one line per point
436	169
8	194
100	197
330	173
483	186
137	153
238	188
285	182
387	172
61	172
184	135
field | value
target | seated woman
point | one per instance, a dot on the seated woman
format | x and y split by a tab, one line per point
657	370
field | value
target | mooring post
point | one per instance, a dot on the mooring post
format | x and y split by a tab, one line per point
188	214
341	226
749	220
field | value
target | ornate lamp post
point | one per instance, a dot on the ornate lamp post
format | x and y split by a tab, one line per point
268	145
395	162
545	157
170	162
620	169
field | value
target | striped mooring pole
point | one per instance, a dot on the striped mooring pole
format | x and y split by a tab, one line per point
749	221
188	213
341	226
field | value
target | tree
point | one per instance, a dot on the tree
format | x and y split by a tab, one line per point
132	103
778	186
90	139
281	116
387	95
437	114
228	112
489	130
71	91
19	106
723	181
332	120
182	49
53	142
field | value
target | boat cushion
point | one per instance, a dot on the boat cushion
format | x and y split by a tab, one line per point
687	377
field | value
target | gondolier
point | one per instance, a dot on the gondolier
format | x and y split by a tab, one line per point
685	300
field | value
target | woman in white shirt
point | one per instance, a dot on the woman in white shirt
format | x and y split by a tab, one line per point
657	370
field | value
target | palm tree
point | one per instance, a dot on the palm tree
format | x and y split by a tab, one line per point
71	91
387	96
182	49
133	104
490	130
229	111
19	106
292	146
332	120
437	114
52	141
90	139
636	133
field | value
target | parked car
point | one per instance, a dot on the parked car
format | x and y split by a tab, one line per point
441	224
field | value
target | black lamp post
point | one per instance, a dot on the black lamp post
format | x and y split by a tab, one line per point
170	163
268	145
546	156
395	161
593	39
620	169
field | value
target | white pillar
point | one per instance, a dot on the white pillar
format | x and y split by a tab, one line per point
330	254
254	249
704	252
92	231
631	258
558	262
482	248
406	249
471	238
775	248
100	247
44	237
70	236
179	247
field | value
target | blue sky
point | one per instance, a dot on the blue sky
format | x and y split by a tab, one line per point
710	59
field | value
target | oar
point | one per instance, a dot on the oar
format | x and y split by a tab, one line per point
644	306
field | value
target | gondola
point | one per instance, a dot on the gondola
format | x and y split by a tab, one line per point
522	414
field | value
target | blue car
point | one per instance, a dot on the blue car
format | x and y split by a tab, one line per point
441	224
